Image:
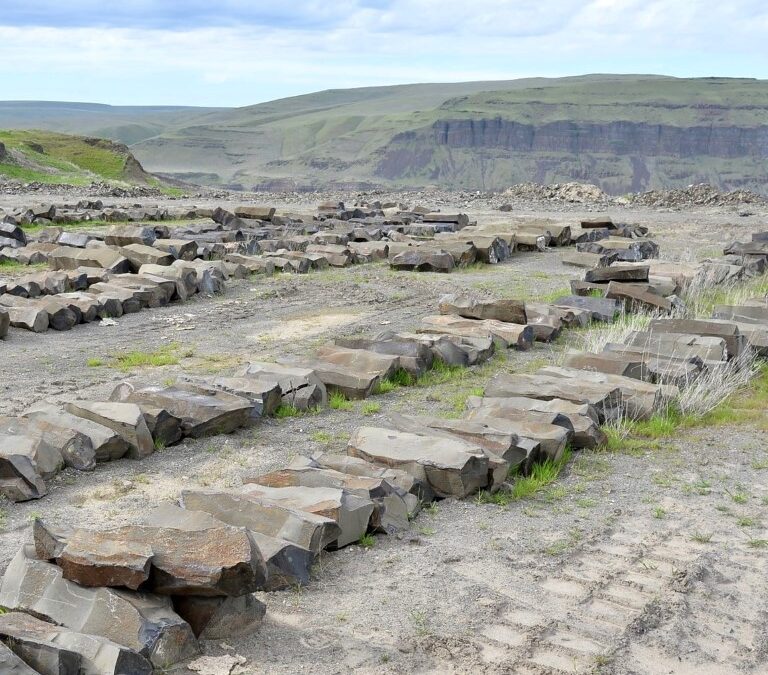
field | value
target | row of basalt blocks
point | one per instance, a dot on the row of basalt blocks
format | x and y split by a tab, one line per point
60	300
189	571
170	581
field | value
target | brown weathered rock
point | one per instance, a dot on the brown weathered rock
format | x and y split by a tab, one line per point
350	382
68	258
142	622
634	297
212	562
507	310
124	235
414	357
360	360
506	335
180	249
608	362
639	400
287	564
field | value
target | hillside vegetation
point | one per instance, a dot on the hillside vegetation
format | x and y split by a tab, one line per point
622	132
54	158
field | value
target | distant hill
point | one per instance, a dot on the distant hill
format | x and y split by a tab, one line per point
48	157
622	132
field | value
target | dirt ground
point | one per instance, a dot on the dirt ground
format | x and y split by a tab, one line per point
629	564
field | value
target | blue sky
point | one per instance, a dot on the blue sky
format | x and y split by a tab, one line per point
239	52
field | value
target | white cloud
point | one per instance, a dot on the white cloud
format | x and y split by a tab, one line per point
376	42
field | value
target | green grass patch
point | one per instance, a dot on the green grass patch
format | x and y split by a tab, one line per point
337	401
168	355
524	487
367	541
370	408
322	437
94	362
287	410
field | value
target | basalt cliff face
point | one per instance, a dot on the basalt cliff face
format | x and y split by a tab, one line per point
619	156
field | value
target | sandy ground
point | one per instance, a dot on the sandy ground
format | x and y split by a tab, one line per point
628	564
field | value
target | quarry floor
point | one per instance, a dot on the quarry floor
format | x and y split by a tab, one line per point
645	563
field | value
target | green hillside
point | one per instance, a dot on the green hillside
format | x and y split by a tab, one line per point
622	132
54	158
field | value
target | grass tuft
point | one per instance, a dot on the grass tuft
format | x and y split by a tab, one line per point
337	401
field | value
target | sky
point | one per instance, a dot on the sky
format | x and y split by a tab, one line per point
240	52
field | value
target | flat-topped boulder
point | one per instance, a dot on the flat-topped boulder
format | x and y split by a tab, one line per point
265	395
352	383
361	360
67	445
125	419
603	275
180	249
416	490
506	335
420	259
455	350
727	330
287	563
68	258
142	622
38	315
247	507
124	235
506	309
639	400
412	356
608	362
216	562
203	411
141	254
55	649
452	468
679	345
606	399
580	419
